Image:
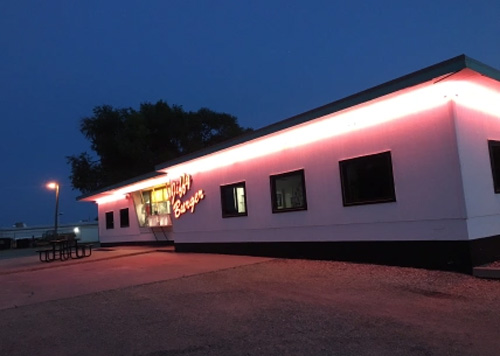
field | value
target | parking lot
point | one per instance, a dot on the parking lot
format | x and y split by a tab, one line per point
149	301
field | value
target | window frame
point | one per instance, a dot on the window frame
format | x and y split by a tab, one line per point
388	169
110	223
127	220
492	144
232	186
273	179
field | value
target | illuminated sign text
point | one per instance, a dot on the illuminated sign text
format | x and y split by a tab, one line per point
178	189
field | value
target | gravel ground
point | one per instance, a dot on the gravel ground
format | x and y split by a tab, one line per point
280	307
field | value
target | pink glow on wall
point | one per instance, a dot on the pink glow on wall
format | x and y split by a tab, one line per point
181	207
382	110
477	97
145	184
425	165
110	198
362	116
120	193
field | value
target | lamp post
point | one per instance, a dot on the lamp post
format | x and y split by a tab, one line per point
55	186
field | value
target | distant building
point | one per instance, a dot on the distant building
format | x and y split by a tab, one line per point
405	173
20	234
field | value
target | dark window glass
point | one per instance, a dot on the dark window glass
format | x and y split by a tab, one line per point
124	219
494	147
233	200
110	223
367	180
288	192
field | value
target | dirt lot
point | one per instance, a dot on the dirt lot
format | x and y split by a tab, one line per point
276	307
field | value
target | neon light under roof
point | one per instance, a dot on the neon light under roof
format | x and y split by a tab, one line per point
356	118
375	112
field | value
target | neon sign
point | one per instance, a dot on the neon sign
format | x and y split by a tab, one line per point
178	189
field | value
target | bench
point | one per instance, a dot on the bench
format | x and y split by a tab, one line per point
63	250
80	250
45	253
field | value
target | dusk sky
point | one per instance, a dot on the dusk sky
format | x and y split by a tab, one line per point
262	61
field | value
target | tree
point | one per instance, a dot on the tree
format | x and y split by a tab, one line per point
129	143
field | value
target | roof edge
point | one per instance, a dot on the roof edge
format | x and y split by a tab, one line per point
482	68
451	65
149	175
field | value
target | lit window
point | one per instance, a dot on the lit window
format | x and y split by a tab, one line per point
152	206
233	200
494	147
288	192
110	220
124	218
367	180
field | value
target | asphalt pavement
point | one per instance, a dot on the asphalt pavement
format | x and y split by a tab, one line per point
154	301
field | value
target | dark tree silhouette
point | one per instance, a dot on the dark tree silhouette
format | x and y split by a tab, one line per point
128	143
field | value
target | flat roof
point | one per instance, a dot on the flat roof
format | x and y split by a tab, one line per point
130	181
421	76
449	66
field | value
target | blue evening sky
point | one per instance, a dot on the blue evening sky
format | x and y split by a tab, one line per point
262	61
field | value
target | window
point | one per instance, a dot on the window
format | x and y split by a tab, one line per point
152	206
110	223
124	219
288	192
367	180
494	147
233	200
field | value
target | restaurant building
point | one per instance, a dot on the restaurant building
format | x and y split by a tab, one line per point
405	173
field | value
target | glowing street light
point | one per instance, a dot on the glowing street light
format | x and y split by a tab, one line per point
55	186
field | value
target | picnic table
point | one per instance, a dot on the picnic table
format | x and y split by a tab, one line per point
63	249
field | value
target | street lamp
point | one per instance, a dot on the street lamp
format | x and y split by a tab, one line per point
55	186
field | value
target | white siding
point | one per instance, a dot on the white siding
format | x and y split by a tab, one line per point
474	129
133	233
429	192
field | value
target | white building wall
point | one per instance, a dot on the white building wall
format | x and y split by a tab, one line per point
88	232
474	129
133	233
85	231
429	206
